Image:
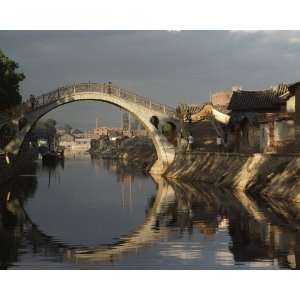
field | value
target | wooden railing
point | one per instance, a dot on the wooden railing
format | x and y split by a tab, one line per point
106	88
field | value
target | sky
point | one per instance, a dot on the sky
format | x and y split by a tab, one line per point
170	66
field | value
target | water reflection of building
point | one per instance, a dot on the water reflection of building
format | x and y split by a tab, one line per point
252	239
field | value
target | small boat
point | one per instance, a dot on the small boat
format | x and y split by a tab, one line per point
52	156
60	154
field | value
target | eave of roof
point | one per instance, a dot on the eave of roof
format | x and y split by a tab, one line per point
265	100
292	86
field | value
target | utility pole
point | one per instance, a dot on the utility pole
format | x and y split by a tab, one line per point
122	119
129	124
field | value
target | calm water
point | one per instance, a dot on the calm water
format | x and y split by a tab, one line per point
93	213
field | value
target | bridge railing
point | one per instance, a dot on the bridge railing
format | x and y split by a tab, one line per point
67	91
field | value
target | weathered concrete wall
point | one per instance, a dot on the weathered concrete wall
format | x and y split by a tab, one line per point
274	179
280	182
271	175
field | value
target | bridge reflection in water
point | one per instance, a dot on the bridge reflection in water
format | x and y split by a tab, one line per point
178	212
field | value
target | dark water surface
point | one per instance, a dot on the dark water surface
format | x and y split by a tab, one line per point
92	213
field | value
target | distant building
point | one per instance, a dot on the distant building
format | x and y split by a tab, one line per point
60	131
81	144
101	131
115	131
75	143
66	140
77	132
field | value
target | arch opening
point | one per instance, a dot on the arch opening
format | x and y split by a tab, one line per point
165	153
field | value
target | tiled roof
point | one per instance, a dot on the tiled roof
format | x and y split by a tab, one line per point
190	108
267	100
293	86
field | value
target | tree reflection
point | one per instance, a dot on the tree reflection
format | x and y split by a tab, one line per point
12	196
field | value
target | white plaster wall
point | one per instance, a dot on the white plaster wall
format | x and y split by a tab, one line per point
290	105
284	130
263	137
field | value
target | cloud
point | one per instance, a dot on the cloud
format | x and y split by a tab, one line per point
172	67
282	37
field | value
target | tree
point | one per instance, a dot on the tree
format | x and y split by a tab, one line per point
50	123
9	82
45	130
50	128
68	128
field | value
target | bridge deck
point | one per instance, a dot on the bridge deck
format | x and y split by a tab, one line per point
68	91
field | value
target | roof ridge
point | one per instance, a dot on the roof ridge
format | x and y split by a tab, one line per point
279	90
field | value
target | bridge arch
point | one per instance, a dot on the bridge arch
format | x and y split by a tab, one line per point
142	108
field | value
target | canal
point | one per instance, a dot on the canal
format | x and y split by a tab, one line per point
89	213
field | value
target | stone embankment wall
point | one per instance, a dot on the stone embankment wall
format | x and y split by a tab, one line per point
270	175
137	152
139	155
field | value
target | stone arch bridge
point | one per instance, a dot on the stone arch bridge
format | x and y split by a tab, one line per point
141	107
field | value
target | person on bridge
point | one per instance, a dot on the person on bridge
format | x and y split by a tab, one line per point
181	142
109	88
190	142
220	143
179	138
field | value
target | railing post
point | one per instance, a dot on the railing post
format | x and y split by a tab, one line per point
74	89
164	108
58	93
150	104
